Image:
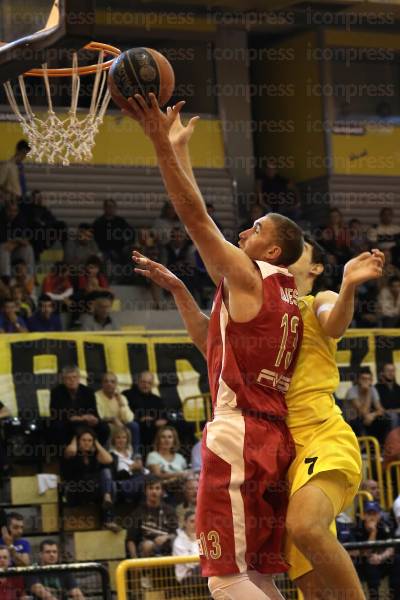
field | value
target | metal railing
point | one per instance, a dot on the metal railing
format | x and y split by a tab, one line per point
97	588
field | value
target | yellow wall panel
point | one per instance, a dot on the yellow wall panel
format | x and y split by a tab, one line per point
99	545
121	141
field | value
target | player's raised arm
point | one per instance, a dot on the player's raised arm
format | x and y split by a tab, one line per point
196	321
335	311
221	258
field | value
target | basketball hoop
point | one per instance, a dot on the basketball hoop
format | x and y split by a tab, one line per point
62	140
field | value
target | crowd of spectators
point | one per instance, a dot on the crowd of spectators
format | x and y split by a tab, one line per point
97	255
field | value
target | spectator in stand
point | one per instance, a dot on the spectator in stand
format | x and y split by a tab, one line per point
154	524
389	303
358	237
366	305
371	486
10	322
335	238
387	233
148	408
278	194
22	277
23	303
73	406
113	408
369	417
376	564
11	536
45	318
389	270
113	234
163	226
79	248
12	173
166	462
192	584
87	478
389	393
190	488
128	471
14	239
46	227
58	285
92	280
178	257
11	588
48	586
99	318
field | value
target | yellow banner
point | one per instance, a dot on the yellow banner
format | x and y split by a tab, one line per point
31	363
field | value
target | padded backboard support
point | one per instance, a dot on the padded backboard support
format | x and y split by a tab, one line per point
74	29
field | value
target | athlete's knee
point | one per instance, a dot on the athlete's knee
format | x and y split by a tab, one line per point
305	533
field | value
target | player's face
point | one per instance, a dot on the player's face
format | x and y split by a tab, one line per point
301	269
258	242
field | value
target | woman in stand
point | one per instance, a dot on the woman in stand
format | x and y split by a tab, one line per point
128	471
88	477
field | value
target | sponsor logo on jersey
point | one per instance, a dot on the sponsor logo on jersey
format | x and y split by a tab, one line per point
272	379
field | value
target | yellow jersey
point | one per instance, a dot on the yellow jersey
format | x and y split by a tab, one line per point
310	397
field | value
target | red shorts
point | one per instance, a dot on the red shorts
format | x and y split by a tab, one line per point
243	494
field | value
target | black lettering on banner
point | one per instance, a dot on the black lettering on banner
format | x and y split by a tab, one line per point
166	356
26	382
311	461
359	348
138	359
385	346
96	364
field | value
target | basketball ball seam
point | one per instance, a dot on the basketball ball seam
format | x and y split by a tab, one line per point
136	75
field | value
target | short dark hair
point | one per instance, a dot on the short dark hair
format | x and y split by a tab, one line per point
93	260
47	542
151	480
364	371
319	256
290	238
22	145
188	514
14	516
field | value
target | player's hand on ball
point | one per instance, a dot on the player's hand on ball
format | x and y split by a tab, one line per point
155	272
362	268
155	123
180	134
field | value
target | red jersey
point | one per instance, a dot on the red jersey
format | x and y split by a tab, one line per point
250	364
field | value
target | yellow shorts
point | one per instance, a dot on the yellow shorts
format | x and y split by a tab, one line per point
323	448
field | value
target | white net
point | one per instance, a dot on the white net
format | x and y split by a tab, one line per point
58	139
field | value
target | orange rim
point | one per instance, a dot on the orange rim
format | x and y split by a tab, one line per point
88	70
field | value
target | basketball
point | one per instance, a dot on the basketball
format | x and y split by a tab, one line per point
140	71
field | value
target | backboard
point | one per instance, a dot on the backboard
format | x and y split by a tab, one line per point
32	31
